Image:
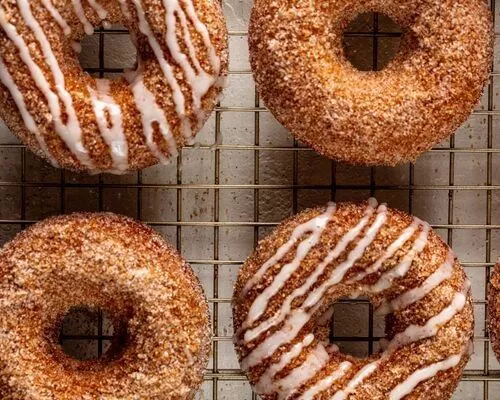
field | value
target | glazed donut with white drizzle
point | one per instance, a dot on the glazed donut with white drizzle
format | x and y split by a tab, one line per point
97	125
288	285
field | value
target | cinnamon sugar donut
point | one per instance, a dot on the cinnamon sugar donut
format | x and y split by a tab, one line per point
98	125
288	285
494	309
370	118
123	267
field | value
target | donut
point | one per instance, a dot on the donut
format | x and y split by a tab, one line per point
494	309
285	291
115	126
126	269
386	117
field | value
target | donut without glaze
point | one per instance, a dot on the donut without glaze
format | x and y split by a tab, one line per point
286	289
494	309
97	125
371	118
122	267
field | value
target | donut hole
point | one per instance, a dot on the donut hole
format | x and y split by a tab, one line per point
371	41
355	328
107	53
89	333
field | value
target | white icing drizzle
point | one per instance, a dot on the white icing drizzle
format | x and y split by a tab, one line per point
298	317
443	273
318	225
264	385
111	131
70	132
199	81
415	333
125	10
76	46
342	244
151	113
57	16
411	334
403	267
362	374
294	323
80	13
298	232
391	250
29	122
326	382
101	12
203	31
411	382
315	361
166	68
341	270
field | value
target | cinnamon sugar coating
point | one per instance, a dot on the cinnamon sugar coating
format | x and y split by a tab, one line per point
371	118
494	309
117	264
429	326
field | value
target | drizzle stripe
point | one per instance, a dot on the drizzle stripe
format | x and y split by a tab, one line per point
265	385
298	317
315	362
410	383
101	12
403	267
124	9
200	83
166	68
414	333
80	13
57	16
391	250
443	273
113	135
327	382
29	122
411	334
203	31
71	133
259	305
362	374
298	232
151	112
339	272
342	244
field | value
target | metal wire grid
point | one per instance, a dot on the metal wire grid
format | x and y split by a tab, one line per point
215	374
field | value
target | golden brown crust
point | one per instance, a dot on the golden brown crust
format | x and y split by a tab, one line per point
494	309
78	82
123	267
451	337
388	117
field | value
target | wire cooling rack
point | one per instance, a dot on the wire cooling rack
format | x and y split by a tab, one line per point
247	173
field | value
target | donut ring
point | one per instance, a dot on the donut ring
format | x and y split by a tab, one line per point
494	309
97	125
285	290
123	267
371	118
